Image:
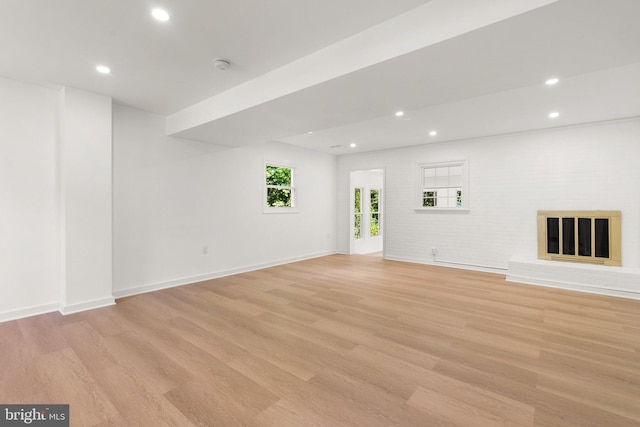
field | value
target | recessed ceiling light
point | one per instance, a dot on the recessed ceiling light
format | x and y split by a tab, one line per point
310	132
554	115
399	113
353	145
103	69
552	81
160	14
433	133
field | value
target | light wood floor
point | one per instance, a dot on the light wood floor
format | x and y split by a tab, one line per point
339	340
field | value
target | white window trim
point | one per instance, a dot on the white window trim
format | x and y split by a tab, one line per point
294	186
465	186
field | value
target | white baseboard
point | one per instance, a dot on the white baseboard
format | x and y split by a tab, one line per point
595	279
28	312
104	302
216	275
84	306
568	286
450	264
602	280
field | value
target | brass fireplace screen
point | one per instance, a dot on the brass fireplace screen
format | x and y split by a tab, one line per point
580	236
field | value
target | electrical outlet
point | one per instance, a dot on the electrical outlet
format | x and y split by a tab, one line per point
205	250
433	250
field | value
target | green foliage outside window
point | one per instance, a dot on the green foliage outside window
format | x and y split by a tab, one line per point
429	198
374	217
357	209
374	225
279	186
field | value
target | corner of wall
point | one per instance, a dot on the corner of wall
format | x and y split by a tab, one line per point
84	306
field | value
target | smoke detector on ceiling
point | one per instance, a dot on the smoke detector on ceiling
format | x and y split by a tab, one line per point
221	64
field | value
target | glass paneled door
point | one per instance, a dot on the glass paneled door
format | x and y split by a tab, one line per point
367	211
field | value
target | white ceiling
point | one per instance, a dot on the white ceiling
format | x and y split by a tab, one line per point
164	67
338	68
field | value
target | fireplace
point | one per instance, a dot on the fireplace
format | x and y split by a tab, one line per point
580	236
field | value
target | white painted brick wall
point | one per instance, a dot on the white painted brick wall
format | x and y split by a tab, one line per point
586	167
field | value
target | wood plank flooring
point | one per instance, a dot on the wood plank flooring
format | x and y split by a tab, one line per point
336	341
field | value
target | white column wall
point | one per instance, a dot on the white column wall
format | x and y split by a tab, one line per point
29	269
85	200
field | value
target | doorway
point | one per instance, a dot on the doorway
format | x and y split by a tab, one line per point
367	211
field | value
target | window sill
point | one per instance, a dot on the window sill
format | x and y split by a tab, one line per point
461	210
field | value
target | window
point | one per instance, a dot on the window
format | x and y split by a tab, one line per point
374	213
442	185
357	213
280	187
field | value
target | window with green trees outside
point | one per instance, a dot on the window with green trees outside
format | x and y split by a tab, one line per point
374	213
280	186
357	210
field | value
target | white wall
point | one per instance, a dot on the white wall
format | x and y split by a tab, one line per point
173	197
511	177
29	273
